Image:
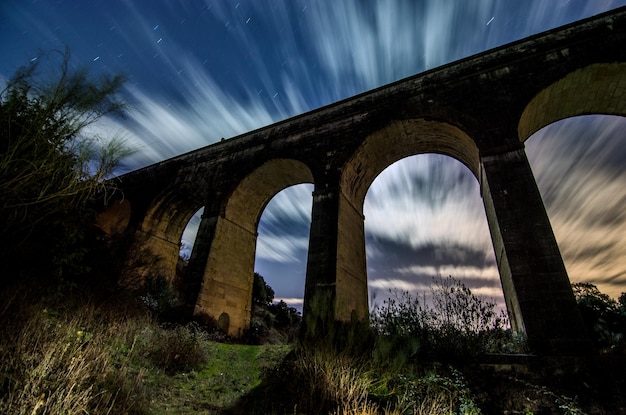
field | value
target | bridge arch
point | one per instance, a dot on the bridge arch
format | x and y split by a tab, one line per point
395	141
157	240
595	89
585	205
226	288
400	139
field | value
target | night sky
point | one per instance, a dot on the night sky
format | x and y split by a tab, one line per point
202	70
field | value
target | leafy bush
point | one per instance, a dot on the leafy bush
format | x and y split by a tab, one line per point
284	316
51	167
163	300
175	349
604	318
271	323
434	393
456	325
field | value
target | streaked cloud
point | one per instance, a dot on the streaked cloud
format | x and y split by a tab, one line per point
282	248
458	271
284	229
424	199
398	284
292	302
580	166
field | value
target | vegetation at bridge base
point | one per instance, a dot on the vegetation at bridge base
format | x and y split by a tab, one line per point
605	318
89	355
451	355
271	322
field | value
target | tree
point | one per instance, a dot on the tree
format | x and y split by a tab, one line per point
262	293
590	297
52	166
284	316
604	317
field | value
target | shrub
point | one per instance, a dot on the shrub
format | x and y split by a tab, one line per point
284	316
434	394
51	168
162	299
456	325
262	293
174	349
270	322
604	318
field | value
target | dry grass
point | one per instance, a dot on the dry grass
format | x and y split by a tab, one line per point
88	359
367	408
339	381
54	362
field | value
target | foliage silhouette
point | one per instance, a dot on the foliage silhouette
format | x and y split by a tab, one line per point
604	318
451	325
262	293
53	164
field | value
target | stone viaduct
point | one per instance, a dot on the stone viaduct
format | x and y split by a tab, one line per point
478	110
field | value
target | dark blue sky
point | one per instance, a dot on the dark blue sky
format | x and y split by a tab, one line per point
202	70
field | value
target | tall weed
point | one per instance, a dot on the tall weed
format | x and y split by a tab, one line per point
336	383
56	362
434	394
331	380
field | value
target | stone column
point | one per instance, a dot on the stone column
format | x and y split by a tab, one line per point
198	259
152	254
536	287
351	304
226	289
321	283
336	282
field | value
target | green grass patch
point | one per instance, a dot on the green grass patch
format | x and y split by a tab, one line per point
231	372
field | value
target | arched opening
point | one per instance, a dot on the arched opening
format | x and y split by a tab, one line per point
594	89
541	283
282	243
425	219
229	272
187	242
580	167
157	241
576	151
188	237
397	140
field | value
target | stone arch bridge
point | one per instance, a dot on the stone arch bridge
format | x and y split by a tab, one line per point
478	110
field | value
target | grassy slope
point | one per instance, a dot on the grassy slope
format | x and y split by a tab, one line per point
102	359
98	358
231	372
